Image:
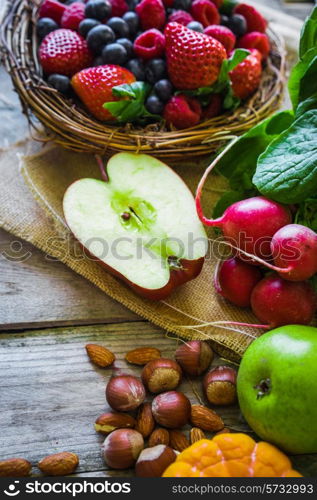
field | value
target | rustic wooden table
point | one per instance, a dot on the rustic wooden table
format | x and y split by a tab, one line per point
50	394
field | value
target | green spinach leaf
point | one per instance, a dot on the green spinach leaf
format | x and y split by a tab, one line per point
287	170
308	37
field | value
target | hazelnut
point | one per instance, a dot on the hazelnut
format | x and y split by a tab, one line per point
125	393
194	357
220	386
152	462
171	409
122	448
161	375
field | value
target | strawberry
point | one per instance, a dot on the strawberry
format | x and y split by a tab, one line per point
182	111
64	52
94	87
223	35
193	59
152	14
256	40
118	8
255	21
181	17
205	12
73	15
52	9
246	77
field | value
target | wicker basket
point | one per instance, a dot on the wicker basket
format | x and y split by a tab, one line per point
68	124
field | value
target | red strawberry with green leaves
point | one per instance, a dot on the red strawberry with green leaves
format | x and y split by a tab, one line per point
94	87
64	52
246	77
193	59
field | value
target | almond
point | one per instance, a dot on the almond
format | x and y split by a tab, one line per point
99	355
178	440
225	430
15	467
159	436
196	435
145	422
142	355
206	419
59	464
108	422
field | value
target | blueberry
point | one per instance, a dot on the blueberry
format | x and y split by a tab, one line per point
224	20
114	53
60	83
44	26
182	4
119	26
132	20
98	61
155	70
164	90
138	34
137	68
98	37
86	25
237	24
132	4
98	9
195	26
69	2
154	105
127	44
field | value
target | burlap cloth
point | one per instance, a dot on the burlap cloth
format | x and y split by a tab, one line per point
31	208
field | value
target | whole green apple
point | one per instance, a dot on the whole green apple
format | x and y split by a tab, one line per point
277	388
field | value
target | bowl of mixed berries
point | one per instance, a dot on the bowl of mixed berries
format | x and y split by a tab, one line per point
166	77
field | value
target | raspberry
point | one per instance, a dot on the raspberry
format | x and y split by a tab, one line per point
73	15
205	12
223	35
182	112
168	3
181	17
255	21
149	44
64	52
118	8
256	40
214	107
52	9
151	13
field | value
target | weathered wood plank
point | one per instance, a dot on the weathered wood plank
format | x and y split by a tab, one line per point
51	394
37	292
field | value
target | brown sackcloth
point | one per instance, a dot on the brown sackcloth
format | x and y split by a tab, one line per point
44	177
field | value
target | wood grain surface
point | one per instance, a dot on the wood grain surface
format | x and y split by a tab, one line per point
51	394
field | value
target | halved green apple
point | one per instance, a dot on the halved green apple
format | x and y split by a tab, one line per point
142	224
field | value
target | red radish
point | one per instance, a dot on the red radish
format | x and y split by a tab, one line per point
294	248
235	281
279	302
249	224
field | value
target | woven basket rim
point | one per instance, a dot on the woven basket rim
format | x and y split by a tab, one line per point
71	126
